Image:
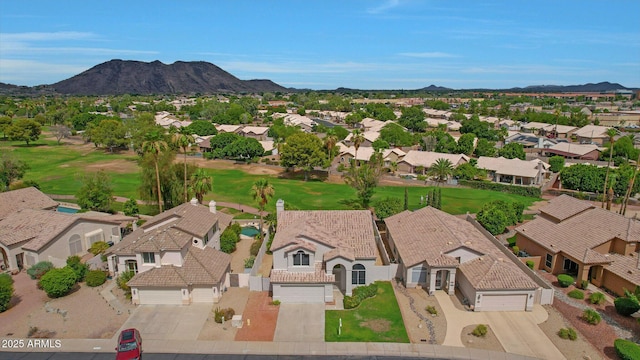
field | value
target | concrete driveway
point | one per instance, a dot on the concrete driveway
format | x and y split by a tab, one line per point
168	322
300	322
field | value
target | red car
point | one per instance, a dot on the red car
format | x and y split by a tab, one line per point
129	345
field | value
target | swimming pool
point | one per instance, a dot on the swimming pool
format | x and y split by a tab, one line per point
67	210
250	231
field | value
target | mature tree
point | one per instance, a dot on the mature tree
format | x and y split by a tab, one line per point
139	127
220	141
485	147
26	130
365	178
280	132
412	118
379	145
202	128
302	150
11	169
466	144
556	163
60	132
512	151
482	129
357	139
130	207
6	291
330	142
243	148
171	179
154	145
96	192
352	119
387	207
467	171
201	184
395	135
5	122
110	133
184	139
611	133
262	192
380	111
441	170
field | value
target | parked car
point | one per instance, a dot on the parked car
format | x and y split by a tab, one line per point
129	345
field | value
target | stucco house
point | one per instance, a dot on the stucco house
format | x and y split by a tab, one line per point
574	151
416	158
318	252
175	256
514	171
443	252
592	134
256	132
577	237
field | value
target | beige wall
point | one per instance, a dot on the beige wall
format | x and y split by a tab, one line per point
615	283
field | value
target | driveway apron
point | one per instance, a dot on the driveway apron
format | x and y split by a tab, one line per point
168	322
300	323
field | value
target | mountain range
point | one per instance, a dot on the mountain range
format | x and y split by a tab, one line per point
117	77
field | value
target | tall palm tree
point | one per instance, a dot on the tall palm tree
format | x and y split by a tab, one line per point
357	139
201	184
627	195
262	191
330	142
183	139
441	169
154	145
611	133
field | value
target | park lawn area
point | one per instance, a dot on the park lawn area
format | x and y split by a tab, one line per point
377	319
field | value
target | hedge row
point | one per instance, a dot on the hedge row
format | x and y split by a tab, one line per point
360	293
511	189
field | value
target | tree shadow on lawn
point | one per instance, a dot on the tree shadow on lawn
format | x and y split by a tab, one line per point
31	145
352	203
314	176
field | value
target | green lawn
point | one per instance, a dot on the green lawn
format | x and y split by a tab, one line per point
377	319
57	168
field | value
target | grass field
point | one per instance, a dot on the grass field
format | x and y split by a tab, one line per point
58	170
377	319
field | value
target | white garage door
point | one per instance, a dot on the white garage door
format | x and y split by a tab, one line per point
504	302
202	295
160	296
299	294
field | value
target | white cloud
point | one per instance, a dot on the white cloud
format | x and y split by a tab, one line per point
387	5
429	55
28	72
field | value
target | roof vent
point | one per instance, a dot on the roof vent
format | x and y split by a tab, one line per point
630	272
467	242
500	259
449	242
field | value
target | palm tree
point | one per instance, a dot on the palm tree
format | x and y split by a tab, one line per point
611	133
394	167
183	139
330	142
357	139
154	144
201	183
625	201
262	191
441	169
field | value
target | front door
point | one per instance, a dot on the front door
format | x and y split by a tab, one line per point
132	265
20	260
439	278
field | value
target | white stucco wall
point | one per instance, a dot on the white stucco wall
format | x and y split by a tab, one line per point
171	258
465	254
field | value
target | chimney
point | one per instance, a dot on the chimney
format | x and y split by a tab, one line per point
194	202
279	206
540	143
212	206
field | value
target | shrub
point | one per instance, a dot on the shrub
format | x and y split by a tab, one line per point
565	280
36	271
597	298
591	316
275	302
228	240
255	247
6	291
95	278
515	249
220	313
98	247
122	281
530	264
626	350
360	293
626	306
236	228
480	330
511	189
58	282
576	294
431	310
568	333
248	262
75	263
584	284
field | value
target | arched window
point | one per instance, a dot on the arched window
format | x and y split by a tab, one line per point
300	259
358	275
75	244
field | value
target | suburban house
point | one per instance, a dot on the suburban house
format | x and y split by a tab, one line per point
369	138
305	123
318	251
558	131
175	256
256	132
227	128
442	252
576	237
574	151
27	198
415	158
533	127
369	124
592	134
514	171
364	154
167	120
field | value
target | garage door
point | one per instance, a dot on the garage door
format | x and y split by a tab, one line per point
298	294
202	295
160	296
504	302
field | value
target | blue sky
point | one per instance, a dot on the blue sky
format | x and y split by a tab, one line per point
325	44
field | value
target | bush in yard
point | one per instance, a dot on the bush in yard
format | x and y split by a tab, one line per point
627	350
515	249
95	278
122	281
530	264
360	293
75	263
597	298
58	282
565	280
255	247
6	291
36	271
236	228
431	310
568	333
584	284
591	316
98	247
576	294
275	302
480	330
220	313
228	240
248	262
626	306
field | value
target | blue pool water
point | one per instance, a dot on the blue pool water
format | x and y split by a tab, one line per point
249	231
67	210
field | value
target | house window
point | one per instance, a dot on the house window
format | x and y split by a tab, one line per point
94	237
75	244
300	259
148	258
547	261
131	265
206	239
358	275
